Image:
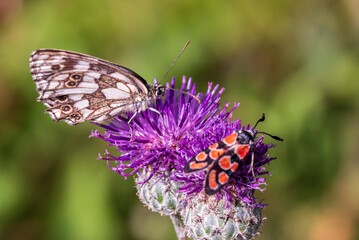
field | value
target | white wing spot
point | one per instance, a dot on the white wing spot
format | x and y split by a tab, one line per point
100	119
81	65
88	85
88	79
82	104
44	69
94	74
53	85
122	86
114	93
46	94
55	113
85	112
76	97
118	76
61	77
74	91
41	57
133	88
39	62
57	57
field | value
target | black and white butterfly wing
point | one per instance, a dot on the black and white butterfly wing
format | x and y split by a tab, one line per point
77	87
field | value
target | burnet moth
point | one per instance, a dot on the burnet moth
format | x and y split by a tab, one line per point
222	159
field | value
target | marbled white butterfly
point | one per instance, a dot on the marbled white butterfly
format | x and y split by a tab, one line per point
76	87
223	159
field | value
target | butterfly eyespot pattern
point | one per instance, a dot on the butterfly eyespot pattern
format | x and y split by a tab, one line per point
62	99
76	77
222	159
66	108
77	87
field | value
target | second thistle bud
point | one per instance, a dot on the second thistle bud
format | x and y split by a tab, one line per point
207	218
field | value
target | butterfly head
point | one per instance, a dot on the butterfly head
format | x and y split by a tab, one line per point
159	90
156	90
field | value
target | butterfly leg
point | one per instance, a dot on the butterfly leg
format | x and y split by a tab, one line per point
156	111
129	121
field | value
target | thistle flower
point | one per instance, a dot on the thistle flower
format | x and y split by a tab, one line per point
158	147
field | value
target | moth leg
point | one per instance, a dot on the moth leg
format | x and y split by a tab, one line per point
252	166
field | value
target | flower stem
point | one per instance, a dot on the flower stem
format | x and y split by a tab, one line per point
178	225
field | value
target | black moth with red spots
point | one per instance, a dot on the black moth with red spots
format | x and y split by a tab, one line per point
223	159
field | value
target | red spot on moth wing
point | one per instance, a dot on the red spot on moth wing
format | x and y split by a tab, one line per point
242	150
213	146
234	167
215	154
197	166
223	178
230	139
202	156
224	162
212	182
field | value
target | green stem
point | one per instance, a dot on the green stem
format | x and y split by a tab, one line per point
178	225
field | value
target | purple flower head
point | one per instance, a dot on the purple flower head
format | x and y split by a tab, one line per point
162	144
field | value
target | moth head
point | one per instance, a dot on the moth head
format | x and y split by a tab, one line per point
246	136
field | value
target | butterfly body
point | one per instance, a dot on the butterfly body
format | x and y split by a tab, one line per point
76	87
222	159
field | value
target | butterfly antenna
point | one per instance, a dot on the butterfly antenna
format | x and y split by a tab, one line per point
184	48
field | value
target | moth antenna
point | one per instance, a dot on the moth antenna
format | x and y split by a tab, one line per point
199	101
261	120
274	137
184	48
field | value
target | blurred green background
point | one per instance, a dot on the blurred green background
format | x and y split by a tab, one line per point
298	61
